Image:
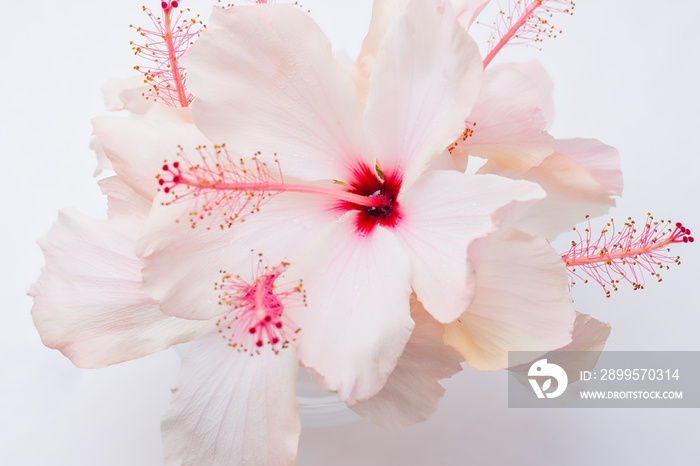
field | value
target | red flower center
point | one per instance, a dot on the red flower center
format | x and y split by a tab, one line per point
382	186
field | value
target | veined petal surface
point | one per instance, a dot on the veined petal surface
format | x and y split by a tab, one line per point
230	408
522	302
137	146
442	213
412	392
265	81
507	125
88	301
424	83
176	256
580	178
357	321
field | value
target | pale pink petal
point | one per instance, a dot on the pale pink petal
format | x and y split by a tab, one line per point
122	201
88	301
131	94
468	10
507	125
425	81
137	147
412	392
522	302
384	13
588	340
126	94
175	255
600	160
441	214
444	161
357	321
231	408
265	80
103	162
534	70
589	334
574	190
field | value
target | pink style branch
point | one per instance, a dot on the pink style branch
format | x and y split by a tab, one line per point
163	47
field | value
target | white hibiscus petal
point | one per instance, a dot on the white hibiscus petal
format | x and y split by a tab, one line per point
231	408
534	70
176	255
424	83
137	147
265	80
384	13
88	301
122	200
131	94
577	185
589	334
357	321
103	162
468	10
600	160
126	94
522	302
507	125
412	392
587	342
441	214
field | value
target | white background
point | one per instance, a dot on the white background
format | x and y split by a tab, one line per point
625	72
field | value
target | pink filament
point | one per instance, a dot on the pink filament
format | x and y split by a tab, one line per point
511	31
173	58
529	23
163	46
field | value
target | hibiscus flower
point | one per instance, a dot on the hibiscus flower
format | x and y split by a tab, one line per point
387	226
89	304
366	247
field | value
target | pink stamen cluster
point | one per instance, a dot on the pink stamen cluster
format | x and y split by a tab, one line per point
256	315
527	22
627	254
164	45
223	189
